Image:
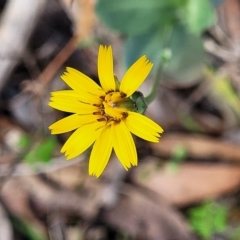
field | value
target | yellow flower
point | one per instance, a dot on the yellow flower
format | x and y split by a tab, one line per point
106	115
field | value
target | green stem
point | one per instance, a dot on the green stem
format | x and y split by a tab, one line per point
154	89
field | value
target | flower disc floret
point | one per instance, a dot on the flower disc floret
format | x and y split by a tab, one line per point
110	107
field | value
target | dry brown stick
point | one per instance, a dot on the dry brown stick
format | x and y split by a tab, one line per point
57	62
38	86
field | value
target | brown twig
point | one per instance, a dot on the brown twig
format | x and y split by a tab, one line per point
56	64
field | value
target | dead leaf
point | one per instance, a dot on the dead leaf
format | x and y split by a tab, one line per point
199	147
191	182
15	197
140	215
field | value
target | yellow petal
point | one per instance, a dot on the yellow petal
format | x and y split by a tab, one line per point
66	93
71	105
65	107
82	139
101	152
76	95
124	145
135	76
143	127
72	122
79	81
105	68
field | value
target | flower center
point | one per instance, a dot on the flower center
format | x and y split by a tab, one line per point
113	108
111	105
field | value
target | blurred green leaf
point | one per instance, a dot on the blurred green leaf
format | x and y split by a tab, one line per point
149	43
136	17
186	64
216	2
178	155
208	219
199	15
42	152
223	91
189	122
24	142
155	25
235	234
27	229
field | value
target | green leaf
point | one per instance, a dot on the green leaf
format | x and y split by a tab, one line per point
24	141
223	92
178	155
149	43
135	17
28	230
216	2
186	64
45	150
208	219
42	152
199	15
189	122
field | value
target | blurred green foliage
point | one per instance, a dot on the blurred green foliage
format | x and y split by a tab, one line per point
222	92
26	229
189	122
208	219
41	151
153	25
179	154
24	142
199	15
235	235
